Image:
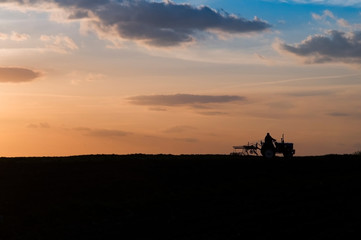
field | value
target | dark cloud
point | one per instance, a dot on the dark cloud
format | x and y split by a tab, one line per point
335	47
17	75
78	3
156	23
182	99
169	24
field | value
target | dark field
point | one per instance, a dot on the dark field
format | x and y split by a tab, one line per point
179	197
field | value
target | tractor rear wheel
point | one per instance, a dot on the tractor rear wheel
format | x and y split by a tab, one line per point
268	153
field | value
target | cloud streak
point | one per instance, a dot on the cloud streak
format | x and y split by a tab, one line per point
104	133
40	125
336	46
310	93
338	114
212	113
179	129
153	23
182	99
17	75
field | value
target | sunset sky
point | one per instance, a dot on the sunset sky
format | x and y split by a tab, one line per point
118	77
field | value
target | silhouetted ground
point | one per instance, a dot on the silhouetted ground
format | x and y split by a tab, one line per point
179	197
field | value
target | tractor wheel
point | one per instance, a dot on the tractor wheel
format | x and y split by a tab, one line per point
268	153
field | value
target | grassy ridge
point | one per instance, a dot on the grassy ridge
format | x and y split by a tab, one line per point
178	197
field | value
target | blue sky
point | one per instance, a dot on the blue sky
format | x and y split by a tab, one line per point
288	15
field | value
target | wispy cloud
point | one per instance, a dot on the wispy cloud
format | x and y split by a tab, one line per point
328	15
40	125
17	74
179	129
338	114
336	46
310	93
212	113
19	37
14	36
59	43
153	23
3	36
79	77
107	133
157	109
182	99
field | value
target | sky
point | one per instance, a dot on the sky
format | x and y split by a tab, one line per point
178	77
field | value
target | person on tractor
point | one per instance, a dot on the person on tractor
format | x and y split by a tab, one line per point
268	141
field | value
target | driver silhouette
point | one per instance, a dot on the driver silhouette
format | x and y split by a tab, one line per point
268	140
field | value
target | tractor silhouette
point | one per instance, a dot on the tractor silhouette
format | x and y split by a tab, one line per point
269	148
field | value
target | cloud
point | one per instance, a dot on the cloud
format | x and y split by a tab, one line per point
182	99
14	36
40	125
3	36
17	75
179	129
212	113
79	77
327	15
157	109
310	93
343	23
107	133
153	23
338	114
170	24
78	14
19	37
336	46
59	43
